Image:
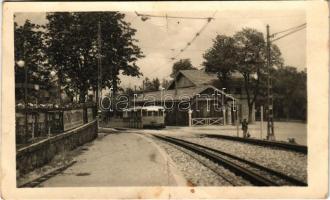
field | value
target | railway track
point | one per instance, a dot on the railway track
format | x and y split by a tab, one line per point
256	174
283	145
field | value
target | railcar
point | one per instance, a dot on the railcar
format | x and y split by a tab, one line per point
145	117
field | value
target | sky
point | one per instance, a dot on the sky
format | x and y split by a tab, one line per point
161	39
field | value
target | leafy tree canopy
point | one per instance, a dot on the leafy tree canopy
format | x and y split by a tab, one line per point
29	52
245	52
220	58
165	83
182	64
151	85
290	93
72	40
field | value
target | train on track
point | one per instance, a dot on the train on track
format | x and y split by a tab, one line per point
144	117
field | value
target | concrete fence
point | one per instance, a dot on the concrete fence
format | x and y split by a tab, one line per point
38	154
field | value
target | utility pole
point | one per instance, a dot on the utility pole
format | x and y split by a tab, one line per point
270	121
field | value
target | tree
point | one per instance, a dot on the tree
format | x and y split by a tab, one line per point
165	83
151	85
29	47
72	40
245	53
290	93
220	58
129	91
251	61
182	64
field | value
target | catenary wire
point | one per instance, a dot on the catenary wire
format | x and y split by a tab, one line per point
288	34
289	29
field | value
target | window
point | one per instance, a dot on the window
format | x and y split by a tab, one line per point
155	113
144	113
149	113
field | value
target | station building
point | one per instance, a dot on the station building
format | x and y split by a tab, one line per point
196	97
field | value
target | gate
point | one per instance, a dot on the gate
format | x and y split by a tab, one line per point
206	121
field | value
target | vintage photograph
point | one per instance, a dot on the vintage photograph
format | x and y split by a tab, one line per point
193	98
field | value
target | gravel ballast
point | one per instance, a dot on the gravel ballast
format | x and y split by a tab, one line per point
290	163
198	174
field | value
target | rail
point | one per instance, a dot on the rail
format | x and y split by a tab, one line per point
293	147
238	165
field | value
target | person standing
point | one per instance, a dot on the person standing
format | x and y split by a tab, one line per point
245	128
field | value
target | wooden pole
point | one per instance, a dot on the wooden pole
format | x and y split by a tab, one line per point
261	120
270	122
237	121
189	113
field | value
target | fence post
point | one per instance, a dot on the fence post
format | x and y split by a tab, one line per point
237	121
189	114
33	121
224	114
261	120
229	115
85	116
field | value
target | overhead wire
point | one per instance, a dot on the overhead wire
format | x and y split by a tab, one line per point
203	18
168	16
287	34
191	41
144	17
295	29
169	49
289	29
194	37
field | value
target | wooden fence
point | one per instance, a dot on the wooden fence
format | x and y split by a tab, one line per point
206	121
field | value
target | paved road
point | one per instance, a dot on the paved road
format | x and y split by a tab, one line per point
124	159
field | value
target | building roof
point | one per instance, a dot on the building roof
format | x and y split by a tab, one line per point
148	108
179	94
200	77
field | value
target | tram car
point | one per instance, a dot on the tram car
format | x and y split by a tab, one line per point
145	117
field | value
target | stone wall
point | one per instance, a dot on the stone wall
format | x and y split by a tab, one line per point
114	123
39	154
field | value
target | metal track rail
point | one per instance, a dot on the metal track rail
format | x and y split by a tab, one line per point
254	178
208	165
283	145
253	164
236	164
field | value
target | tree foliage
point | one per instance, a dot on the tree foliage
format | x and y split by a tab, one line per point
245	52
182	64
220	58
290	93
29	49
72	41
165	83
151	85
